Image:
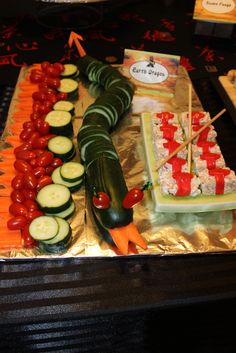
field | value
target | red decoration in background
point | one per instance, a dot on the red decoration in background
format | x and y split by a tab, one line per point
185	61
155	35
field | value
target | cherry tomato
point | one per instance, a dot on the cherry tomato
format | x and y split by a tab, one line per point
52	71
31	205
39	96
29	194
28	124
28	241
45	159
38	151
16	223
43	181
133	196
48	170
62	96
52	98
57	162
30	180
40	143
26	133
35	135
17	196
33	162
22	166
42	127
17	182
33	214
35	115
26	146
42	86
37	77
45	65
38	107
36	72
52	82
101	200
26	155
18	209
46	90
59	67
39	171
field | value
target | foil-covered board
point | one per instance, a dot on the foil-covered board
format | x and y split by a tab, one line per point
166	233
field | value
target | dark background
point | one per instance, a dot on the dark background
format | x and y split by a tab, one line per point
163	304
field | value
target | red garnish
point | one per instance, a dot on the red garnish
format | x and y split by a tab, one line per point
101	200
134	196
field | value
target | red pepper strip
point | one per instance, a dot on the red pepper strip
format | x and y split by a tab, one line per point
165	117
177	164
204	134
205	145
183	181
168	131
196	117
122	235
219	174
210	159
171	146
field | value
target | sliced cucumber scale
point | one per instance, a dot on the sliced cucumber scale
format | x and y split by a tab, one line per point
54	198
72	171
64	230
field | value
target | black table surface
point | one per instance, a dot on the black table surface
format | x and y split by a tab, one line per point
123	304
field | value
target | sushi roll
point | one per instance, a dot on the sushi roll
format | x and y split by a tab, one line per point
173	165
208	134
198	118
160	118
167	131
208	160
205	147
179	184
163	148
217	181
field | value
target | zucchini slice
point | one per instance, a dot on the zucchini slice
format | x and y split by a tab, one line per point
64	230
70	70
72	172
43	228
60	122
57	179
54	198
62	147
64	105
66	213
69	86
60	247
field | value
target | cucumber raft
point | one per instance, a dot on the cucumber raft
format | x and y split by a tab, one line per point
104	174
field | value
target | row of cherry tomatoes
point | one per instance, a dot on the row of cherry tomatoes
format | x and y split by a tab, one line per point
33	163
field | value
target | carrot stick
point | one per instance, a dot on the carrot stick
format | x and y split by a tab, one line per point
13	140
7	153
5	202
120	241
6	191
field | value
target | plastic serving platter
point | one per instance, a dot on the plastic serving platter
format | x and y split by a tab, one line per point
175	204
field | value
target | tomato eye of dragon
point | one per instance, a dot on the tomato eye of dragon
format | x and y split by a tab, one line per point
101	200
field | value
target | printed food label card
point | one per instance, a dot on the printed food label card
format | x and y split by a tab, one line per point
215	10
152	73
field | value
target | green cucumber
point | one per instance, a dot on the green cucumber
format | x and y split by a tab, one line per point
54	198
70	71
62	147
65	105
60	122
64	231
68	212
43	228
69	86
72	186
72	172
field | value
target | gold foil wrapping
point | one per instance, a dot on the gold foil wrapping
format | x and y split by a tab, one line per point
165	233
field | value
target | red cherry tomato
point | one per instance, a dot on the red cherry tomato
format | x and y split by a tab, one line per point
17	182
22	166
43	181
101	200
35	135
17	196
18	209
48	170
62	96
52	82
28	241
33	162
30	181
39	96
35	115
31	205
33	214
52	98
39	171
16	223
133	196
37	77
45	65
29	194
26	155
26	133
40	143
42	127
52	71
59	67
45	159
28	124
57	162
26	146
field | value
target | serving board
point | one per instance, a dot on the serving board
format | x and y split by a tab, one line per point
169	203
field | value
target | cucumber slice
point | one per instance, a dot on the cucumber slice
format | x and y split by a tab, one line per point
66	213
62	147
60	122
69	86
64	230
57	179
72	172
54	198
43	228
70	70
58	248
64	105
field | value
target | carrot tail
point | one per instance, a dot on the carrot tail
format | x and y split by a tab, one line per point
123	235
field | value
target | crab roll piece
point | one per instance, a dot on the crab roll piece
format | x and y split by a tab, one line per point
163	148
180	184
218	181
208	134
208	160
168	132
160	118
198	118
174	165
205	147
